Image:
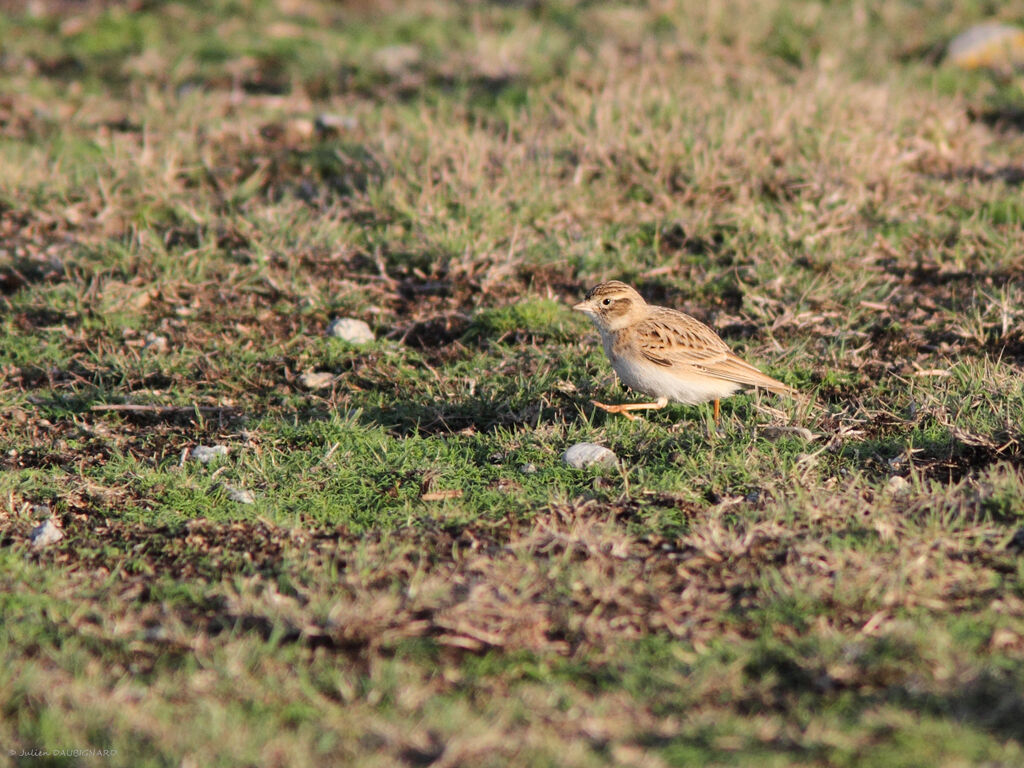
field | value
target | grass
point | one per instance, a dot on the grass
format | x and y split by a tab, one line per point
190	192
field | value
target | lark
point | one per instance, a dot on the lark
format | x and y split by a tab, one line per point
666	354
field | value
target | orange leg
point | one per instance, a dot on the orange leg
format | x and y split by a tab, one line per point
625	408
718	412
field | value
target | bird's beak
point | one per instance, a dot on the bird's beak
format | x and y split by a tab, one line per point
581	307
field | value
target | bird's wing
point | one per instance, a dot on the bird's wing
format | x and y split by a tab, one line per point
671	338
676	340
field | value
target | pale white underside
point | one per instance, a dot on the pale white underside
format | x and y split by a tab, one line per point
689	387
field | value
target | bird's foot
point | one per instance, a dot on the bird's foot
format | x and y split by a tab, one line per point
617	409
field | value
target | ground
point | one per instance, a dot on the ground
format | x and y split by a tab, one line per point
191	192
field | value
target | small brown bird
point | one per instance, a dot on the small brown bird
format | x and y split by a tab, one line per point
665	353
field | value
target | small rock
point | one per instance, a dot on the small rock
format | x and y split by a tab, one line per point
156	344
327	123
240	495
528	469
897	485
351	330
204	454
588	455
49	532
316	380
990	45
776	433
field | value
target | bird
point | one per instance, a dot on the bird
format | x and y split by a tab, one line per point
666	354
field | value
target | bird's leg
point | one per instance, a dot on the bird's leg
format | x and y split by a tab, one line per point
625	408
718	413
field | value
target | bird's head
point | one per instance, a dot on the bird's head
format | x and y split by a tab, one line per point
612	305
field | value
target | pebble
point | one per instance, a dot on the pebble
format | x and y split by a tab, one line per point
328	123
47	533
776	433
240	495
990	45
528	469
588	455
204	454
897	485
316	379
156	344
351	330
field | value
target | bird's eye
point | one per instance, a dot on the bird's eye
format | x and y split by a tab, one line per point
607	302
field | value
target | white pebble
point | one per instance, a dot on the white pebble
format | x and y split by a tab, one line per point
156	344
528	469
327	122
49	532
776	433
316	380
240	495
897	485
351	330
989	45
204	454
588	455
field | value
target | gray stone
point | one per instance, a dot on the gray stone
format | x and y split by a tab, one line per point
777	432
898	486
316	379
156	344
47	533
240	495
328	123
584	455
204	454
351	330
990	45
